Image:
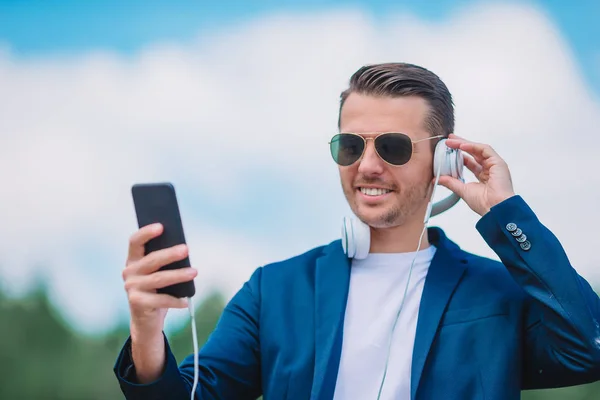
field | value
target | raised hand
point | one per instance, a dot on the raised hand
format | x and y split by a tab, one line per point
494	181
147	307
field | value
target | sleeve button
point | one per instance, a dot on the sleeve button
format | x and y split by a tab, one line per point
526	245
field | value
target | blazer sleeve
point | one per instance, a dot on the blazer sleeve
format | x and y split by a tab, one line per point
562	313
229	362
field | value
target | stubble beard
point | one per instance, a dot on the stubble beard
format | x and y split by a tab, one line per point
407	202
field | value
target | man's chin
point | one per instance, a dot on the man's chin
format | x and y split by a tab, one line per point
377	218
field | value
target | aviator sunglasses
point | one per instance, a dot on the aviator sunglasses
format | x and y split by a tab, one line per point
392	147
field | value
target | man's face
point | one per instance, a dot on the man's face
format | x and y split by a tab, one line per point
409	183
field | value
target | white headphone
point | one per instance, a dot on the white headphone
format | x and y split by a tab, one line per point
356	235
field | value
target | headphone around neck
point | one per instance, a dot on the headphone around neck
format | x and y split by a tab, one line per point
356	235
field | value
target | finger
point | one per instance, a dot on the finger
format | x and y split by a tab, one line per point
159	258
473	160
147	300
473	165
452	184
479	151
160	279
455	142
139	239
455	136
463	145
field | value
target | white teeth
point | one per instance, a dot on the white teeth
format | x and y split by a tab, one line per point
374	191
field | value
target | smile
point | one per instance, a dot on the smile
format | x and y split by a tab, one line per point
374	191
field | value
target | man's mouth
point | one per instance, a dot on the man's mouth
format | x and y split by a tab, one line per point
373	191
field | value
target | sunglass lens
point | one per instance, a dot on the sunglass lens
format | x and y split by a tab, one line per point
395	148
346	149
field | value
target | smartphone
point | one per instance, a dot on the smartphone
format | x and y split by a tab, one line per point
157	202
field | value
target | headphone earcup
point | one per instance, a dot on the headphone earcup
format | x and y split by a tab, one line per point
460	164
356	238
450	161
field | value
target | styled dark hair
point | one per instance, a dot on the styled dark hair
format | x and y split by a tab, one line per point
402	79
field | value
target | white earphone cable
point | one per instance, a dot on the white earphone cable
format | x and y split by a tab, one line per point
191	309
425	222
399	311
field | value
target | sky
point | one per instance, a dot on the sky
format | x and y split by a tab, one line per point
235	104
41	27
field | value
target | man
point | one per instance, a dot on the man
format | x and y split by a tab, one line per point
323	326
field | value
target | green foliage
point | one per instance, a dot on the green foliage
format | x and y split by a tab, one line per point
207	315
42	358
583	392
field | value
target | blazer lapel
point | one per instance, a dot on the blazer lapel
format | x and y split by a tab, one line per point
332	278
444	274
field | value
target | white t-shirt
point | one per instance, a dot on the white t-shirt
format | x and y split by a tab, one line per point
377	286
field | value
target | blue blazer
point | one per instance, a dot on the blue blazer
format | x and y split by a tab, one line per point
486	330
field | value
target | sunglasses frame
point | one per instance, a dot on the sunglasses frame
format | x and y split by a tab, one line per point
379	134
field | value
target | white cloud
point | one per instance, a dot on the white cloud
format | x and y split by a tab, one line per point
75	133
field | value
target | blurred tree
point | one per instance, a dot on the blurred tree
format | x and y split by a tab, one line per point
207	316
42	358
583	392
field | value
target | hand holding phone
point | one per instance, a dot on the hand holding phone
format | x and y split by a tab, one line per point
156	203
157	275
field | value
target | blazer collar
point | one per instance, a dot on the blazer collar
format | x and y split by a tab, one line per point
445	272
332	279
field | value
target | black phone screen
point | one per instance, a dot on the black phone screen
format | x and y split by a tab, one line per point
157	202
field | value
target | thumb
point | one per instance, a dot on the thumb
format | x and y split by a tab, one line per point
452	184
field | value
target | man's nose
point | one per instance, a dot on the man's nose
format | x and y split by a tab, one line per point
371	163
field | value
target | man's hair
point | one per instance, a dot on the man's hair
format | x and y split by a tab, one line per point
402	79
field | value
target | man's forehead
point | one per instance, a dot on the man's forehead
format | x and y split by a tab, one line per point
370	115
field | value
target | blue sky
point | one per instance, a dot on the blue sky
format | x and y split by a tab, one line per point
40	27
